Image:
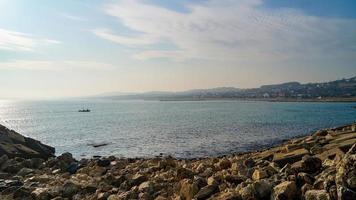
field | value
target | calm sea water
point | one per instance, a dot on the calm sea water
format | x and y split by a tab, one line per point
182	129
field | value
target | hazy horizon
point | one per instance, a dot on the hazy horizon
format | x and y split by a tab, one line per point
59	49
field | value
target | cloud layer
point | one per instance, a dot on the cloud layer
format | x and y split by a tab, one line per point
46	65
229	30
16	41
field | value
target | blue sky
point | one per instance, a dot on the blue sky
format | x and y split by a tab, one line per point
73	48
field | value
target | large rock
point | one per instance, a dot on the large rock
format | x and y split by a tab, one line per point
346	175
285	191
14	144
291	157
206	192
187	189
317	195
310	164
259	174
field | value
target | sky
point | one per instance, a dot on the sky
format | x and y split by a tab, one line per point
67	48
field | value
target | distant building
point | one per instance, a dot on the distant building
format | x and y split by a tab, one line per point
266	95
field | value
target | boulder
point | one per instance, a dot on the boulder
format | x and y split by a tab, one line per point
137	179
73	167
187	189
259	174
14	144
224	163
285	191
103	162
206	192
69	189
235	179
249	163
41	194
310	164
147	187
262	189
212	181
316	195
24	171
346	175
183	173
248	192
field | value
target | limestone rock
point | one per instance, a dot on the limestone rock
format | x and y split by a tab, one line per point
259	174
187	189
345	176
317	195
285	191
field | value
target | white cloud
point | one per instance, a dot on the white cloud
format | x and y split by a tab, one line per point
46	65
16	41
71	17
230	30
130	41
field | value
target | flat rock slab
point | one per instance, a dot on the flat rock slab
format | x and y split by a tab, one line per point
283	158
330	154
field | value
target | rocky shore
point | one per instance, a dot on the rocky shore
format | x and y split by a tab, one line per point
321	166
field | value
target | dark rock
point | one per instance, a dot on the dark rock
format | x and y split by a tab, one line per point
206	192
11	166
183	173
103	162
321	133
115	180
62	162
66	158
13	183
224	164
305	188
310	164
22	193
303	178
36	163
200	182
4	175
73	167
25	171
69	189
3	159
249	163
345	193
234	179
137	180
262	189
14	145
333	192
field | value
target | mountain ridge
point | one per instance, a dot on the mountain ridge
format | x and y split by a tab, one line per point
342	88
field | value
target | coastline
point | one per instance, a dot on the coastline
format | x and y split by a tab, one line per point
320	165
325	100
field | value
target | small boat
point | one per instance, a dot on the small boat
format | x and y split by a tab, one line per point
84	110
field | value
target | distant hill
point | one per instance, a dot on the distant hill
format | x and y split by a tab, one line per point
344	88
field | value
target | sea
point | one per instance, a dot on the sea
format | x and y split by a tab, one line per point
184	129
